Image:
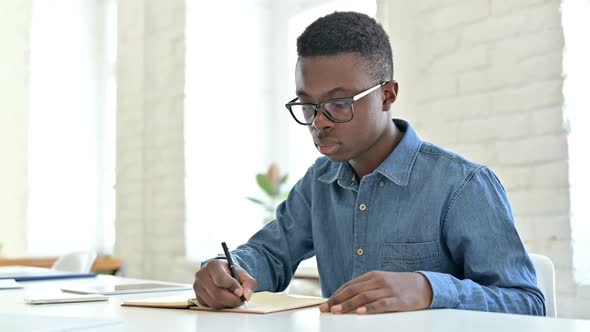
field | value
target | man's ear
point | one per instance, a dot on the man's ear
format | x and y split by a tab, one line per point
389	94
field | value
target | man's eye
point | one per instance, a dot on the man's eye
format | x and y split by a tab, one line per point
308	108
335	105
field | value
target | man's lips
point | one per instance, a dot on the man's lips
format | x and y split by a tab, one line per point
326	148
321	141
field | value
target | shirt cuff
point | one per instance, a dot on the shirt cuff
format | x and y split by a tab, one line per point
219	256
444	291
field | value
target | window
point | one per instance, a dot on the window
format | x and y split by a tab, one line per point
72	130
226	108
576	22
237	82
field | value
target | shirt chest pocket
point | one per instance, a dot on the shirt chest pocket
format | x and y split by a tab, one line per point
410	257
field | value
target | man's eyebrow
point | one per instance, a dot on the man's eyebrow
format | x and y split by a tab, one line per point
302	93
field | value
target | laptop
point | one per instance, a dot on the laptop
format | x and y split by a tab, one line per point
126	288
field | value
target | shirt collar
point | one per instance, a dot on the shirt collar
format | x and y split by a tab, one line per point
396	167
332	175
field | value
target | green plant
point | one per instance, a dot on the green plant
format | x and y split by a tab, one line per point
271	184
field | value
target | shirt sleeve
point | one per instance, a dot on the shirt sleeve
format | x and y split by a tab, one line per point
481	237
272	255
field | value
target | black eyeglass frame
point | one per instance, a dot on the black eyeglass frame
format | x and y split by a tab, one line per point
320	107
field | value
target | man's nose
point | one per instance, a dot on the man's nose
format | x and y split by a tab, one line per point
321	121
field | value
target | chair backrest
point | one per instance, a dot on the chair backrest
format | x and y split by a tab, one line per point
77	262
546	281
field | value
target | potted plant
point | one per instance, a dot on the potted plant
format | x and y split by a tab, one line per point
271	183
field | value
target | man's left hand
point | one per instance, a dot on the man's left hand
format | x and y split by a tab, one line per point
380	291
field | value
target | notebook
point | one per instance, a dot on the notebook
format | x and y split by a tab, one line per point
260	303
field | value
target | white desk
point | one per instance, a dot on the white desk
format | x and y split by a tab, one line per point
310	319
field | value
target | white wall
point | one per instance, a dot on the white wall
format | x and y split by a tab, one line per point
484	78
15	29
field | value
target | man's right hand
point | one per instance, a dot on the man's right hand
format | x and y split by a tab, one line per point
215	287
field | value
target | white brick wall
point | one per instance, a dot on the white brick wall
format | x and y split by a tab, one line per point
484	78
150	147
15	30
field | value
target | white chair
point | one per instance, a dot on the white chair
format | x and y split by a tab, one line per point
77	262
546	281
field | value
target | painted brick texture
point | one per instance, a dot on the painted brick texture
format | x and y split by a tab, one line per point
150	137
484	79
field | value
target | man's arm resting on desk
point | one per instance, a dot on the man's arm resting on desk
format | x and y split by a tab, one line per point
450	292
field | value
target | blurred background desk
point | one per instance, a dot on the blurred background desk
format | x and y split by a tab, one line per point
103	265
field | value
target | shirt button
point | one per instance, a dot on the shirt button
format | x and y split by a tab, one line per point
362	207
360	251
381	184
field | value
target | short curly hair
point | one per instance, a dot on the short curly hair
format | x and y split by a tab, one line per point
343	32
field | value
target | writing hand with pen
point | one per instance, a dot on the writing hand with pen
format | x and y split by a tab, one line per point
219	286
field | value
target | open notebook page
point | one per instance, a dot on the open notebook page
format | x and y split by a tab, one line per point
261	303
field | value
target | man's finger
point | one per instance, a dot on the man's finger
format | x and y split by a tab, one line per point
221	276
360	300
214	296
249	284
220	298
365	277
205	298
388	304
351	291
205	289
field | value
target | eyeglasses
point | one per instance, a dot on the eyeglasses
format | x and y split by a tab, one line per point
338	110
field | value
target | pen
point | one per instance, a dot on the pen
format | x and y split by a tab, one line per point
232	267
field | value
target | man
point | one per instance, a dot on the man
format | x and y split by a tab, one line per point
395	223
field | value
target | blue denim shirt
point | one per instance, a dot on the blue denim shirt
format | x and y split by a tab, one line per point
423	209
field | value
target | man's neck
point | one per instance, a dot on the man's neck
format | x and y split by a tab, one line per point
377	153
